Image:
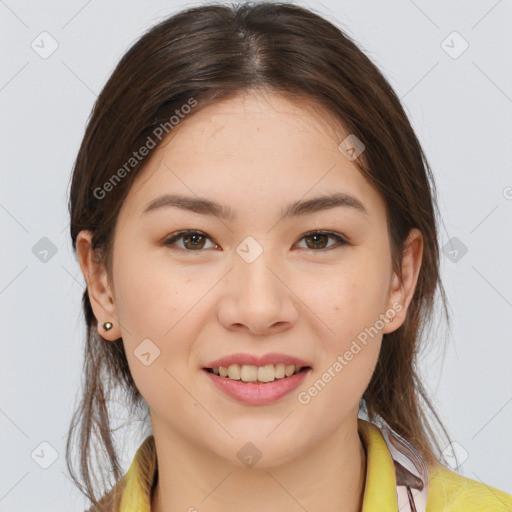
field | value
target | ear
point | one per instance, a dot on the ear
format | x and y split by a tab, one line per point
98	287
402	291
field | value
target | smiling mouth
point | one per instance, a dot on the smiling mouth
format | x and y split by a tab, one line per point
257	374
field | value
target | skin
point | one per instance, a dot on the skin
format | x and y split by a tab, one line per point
255	152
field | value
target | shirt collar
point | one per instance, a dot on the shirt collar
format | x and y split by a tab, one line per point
380	486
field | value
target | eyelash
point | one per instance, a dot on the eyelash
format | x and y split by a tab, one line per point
180	234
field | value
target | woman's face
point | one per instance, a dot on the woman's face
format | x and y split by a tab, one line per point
256	279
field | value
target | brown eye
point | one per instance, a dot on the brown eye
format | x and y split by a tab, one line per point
317	240
196	241
192	240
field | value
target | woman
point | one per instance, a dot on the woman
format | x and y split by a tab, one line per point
256	223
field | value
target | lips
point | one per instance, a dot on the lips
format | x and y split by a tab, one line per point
254	360
253	393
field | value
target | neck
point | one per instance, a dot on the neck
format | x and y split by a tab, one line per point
330	476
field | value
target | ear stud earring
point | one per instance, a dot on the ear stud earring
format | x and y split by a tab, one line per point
107	326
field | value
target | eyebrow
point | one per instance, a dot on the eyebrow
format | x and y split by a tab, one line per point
205	206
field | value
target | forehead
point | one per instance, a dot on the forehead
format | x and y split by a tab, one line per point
252	148
260	114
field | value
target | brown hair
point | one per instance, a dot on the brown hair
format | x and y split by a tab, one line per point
213	52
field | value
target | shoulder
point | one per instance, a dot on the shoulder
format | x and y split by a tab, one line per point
110	501
135	486
451	492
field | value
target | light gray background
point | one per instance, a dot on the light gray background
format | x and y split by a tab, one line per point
460	107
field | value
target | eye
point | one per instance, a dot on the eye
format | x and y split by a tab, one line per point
195	240
318	239
192	240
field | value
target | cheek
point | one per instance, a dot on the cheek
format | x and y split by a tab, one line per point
350	298
350	307
148	296
339	382
349	304
155	307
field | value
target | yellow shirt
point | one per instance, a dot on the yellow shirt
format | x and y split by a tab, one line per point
448	491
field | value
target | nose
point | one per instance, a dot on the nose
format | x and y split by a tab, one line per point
258	297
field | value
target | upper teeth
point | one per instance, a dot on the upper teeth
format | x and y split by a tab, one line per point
250	373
